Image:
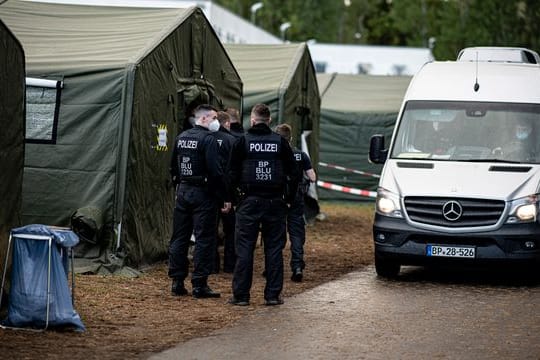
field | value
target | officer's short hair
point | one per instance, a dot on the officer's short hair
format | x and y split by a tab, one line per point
285	131
260	113
234	114
203	108
223	117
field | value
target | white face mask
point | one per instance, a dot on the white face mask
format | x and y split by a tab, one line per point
522	132
214	125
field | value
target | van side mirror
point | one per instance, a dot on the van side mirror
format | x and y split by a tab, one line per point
377	152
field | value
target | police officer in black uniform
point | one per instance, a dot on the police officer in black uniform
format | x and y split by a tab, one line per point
197	171
262	166
296	223
236	127
225	141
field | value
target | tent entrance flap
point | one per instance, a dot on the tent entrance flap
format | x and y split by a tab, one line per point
12	145
193	92
305	119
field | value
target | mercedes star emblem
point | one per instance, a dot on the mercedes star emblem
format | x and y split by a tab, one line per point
452	210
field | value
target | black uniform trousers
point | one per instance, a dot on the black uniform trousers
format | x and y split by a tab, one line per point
269	215
296	227
229	253
195	212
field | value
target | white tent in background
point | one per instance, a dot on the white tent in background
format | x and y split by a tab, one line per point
368	59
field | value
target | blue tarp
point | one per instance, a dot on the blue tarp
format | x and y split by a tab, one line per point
28	294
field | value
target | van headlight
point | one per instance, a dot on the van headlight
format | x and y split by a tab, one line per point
387	203
523	210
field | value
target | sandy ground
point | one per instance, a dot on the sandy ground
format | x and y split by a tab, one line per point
135	317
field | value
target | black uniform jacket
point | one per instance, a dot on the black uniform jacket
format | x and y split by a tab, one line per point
209	150
238	155
237	130
225	141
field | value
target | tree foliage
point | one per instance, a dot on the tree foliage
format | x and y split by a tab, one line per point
447	25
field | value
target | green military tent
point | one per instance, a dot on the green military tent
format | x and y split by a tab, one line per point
99	142
354	107
283	77
12	133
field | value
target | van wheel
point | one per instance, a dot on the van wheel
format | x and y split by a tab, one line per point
386	268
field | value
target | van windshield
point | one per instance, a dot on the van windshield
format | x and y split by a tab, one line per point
469	131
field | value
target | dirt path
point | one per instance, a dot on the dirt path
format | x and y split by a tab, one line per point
424	315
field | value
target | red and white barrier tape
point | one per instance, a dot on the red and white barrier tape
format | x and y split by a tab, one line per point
346	189
337	167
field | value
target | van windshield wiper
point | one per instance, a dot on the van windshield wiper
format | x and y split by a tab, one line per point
490	160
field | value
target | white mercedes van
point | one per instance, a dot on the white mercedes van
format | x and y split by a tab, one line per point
461	177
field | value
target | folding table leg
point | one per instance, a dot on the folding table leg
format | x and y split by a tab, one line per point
48	284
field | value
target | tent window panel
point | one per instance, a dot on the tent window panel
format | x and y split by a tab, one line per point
42	104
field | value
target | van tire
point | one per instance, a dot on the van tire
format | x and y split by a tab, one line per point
386	268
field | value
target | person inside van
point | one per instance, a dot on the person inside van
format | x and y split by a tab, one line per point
435	137
521	146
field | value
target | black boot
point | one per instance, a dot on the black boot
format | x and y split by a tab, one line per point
297	275
178	288
205	292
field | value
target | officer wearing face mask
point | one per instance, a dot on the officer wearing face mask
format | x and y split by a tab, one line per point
262	166
198	174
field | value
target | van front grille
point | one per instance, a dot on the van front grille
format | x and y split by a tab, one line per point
453	212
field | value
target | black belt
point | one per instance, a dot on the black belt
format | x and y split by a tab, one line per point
267	196
193	183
